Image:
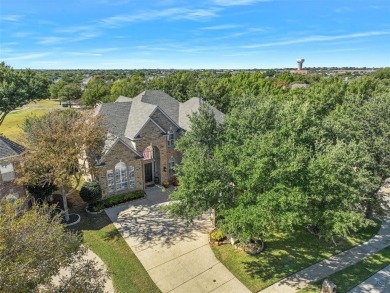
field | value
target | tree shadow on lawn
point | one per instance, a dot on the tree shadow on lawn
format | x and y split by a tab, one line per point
150	225
286	254
88	221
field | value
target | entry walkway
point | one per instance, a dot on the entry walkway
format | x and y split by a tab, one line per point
335	263
177	257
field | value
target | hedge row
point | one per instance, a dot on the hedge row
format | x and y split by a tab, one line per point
118	199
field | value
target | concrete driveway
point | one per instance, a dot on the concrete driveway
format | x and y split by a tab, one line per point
177	257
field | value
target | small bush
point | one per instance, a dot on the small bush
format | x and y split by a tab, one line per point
91	192
217	235
118	199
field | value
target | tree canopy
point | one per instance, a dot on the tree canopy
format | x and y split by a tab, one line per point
19	87
282	161
34	245
128	87
58	142
96	91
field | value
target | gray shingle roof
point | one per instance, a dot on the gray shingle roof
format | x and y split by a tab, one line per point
115	116
127	116
164	101
9	148
192	105
139	114
123	99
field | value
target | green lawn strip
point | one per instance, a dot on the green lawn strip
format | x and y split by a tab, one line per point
284	255
101	236
352	276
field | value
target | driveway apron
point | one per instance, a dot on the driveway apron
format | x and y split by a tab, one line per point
177	256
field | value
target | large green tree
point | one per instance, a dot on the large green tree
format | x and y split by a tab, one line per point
128	87
96	91
314	158
69	92
55	89
34	245
19	87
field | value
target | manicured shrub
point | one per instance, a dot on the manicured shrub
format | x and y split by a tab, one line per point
118	199
217	235
91	192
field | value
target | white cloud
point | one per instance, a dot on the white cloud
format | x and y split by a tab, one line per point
26	57
317	39
221	27
57	40
13	17
51	40
170	13
237	2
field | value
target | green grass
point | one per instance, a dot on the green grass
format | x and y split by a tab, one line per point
11	126
101	236
352	276
284	255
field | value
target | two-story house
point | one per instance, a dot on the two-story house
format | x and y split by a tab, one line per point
140	149
10	152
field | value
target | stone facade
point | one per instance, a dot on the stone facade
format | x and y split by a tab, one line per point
120	153
144	129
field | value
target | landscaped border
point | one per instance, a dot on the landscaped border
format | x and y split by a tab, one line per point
284	255
352	276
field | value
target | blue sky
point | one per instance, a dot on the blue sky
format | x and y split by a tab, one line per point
127	34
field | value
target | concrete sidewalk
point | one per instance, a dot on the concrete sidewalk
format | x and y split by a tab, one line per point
335	263
177	257
378	283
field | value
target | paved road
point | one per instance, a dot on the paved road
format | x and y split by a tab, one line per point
378	283
177	257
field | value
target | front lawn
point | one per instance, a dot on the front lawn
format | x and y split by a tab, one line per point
284	255
101	236
352	276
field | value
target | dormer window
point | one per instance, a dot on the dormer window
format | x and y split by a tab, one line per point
171	138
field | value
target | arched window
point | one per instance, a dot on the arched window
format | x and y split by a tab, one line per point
171	138
148	153
120	176
171	165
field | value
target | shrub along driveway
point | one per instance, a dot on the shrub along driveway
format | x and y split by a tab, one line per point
177	257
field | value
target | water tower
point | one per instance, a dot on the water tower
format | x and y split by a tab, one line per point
300	62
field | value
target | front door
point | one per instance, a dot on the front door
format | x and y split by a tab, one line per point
148	172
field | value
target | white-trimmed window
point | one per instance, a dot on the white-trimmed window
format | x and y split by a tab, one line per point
171	138
171	165
7	172
121	176
110	181
132	177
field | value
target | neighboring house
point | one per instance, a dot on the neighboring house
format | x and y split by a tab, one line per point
140	149
9	159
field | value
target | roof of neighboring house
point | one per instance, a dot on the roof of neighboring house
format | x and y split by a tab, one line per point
127	116
9	148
